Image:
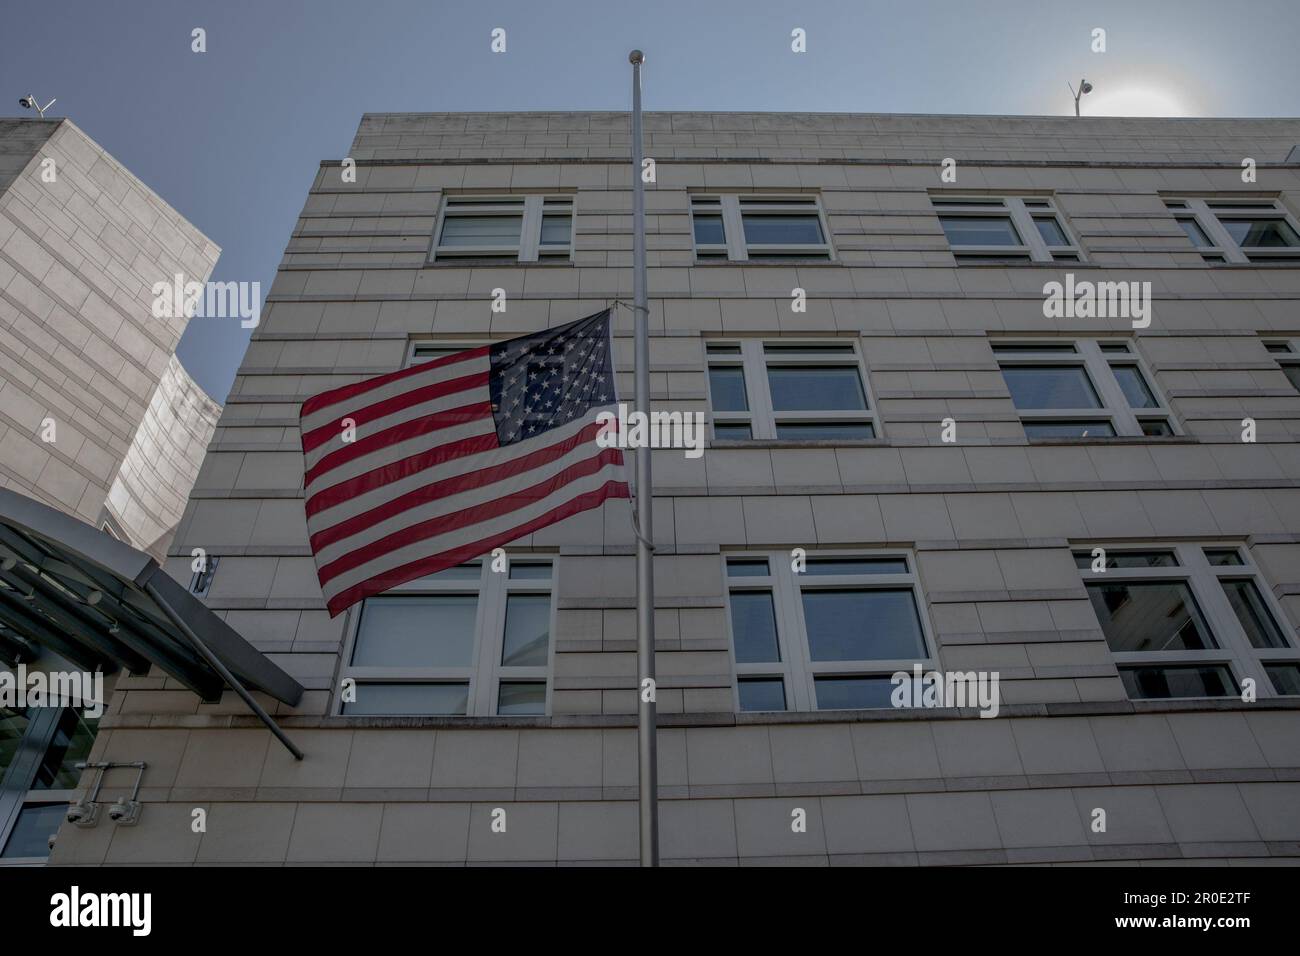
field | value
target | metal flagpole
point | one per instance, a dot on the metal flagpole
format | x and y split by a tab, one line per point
647	742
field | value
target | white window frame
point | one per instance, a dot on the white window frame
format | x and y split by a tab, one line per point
762	418
1223	248
796	668
485	673
1287	359
531	207
1235	652
1097	365
1021	211
733	207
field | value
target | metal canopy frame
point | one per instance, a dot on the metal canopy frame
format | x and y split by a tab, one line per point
103	605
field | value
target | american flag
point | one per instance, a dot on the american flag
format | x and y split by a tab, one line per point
418	470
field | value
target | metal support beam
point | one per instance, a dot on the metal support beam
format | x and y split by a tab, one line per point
215	663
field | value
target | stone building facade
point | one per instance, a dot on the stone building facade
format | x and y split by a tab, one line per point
887	392
82	242
97	417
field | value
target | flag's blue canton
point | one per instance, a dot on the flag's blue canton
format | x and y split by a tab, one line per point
542	381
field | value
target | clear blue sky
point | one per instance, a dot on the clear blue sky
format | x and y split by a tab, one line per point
232	138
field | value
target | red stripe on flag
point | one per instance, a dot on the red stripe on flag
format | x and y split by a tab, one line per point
451	486
449	559
344	392
432	527
396	434
327	498
369	413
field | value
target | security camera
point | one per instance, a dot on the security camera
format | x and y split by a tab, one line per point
125	812
30	102
27	103
1087	87
83	813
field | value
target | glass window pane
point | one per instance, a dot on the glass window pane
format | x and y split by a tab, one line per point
731	432
727	388
1051	231
1223	557
418	630
32	831
1195	233
709	231
1159	683
1293	373
811	431
518	698
556	230
410	699
1156	427
980	230
1285	678
753	627
461	572
1146	616
856	566
782	230
853	693
1253	613
528	630
1261	233
1128	559
481	231
13	723
747	568
530	572
798	388
1134	386
1050	386
1089	429
862	625
73	738
766	693
722	349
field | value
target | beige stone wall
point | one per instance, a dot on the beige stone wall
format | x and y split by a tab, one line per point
80	346
991	519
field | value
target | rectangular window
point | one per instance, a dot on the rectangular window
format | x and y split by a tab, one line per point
759	228
1238	230
40	748
504	229
796	391
1286	352
466	641
1189	621
827	638
1005	229
1081	389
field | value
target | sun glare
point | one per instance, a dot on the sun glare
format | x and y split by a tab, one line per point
1133	101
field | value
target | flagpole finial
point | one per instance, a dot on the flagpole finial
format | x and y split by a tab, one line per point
636	58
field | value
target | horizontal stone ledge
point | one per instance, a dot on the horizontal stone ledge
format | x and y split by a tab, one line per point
677	721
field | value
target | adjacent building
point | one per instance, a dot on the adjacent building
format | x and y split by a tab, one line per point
97	417
915	460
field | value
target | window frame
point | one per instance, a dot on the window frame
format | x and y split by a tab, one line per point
734	248
485	672
1206	211
796	669
1098	366
1204	583
1022	216
762	417
530	207
17	781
